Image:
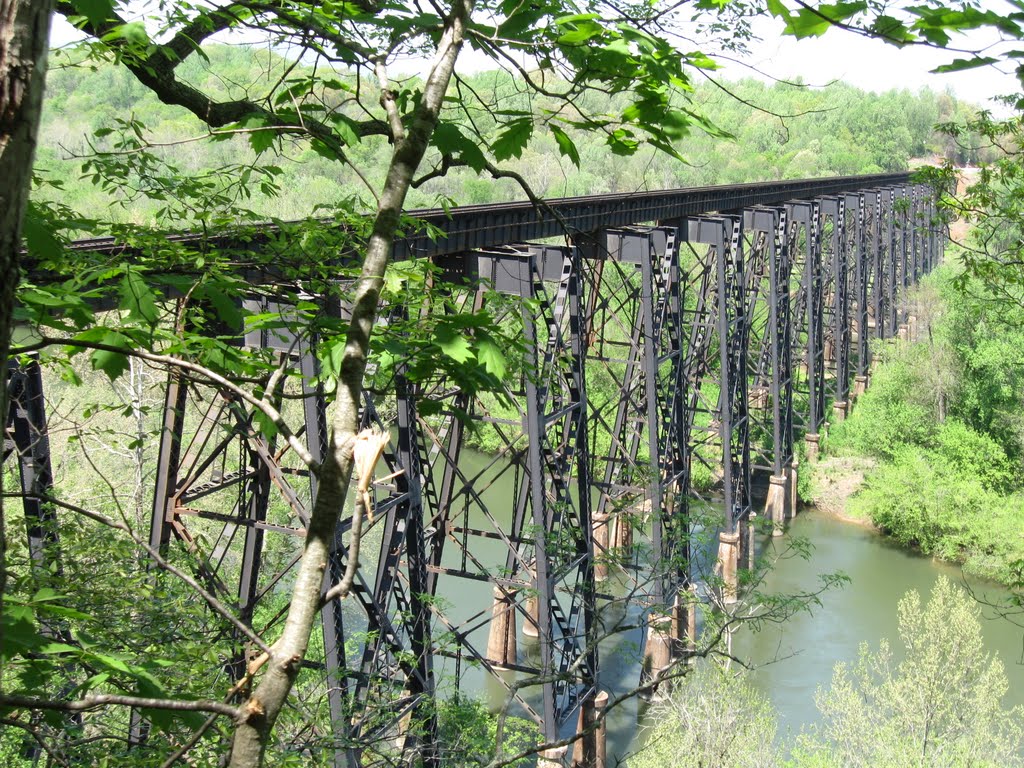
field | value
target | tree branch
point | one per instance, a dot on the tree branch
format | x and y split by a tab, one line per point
268	410
112	699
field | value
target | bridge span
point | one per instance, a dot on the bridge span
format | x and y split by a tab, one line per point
680	345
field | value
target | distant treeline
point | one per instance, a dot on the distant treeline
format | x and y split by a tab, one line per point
777	131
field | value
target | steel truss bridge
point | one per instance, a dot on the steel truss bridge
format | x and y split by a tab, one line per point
671	336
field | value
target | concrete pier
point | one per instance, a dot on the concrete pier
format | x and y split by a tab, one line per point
811	442
622	534
839	411
860	385
777	501
728	562
553	757
658	648
531	624
591	750
684	622
501	641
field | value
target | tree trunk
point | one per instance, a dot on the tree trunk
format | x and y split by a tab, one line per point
261	710
24	40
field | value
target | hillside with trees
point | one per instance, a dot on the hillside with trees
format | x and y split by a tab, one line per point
757	132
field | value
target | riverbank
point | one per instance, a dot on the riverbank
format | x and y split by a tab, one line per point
931	454
834	481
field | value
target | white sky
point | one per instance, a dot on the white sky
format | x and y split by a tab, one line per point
838	55
871	64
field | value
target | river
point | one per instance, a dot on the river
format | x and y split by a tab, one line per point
791	660
796	658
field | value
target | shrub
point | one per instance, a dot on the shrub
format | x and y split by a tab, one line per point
938	706
469	733
974	455
713	719
888	416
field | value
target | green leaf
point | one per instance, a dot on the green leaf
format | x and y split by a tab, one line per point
958	65
513	139
96	11
428	407
566	145
111	362
579	32
489	354
46	595
39	235
225	306
806	23
450	140
891	29
346	128
112	662
138	299
134	33
265	424
453	343
262	139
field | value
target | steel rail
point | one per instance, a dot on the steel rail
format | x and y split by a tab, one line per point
486	226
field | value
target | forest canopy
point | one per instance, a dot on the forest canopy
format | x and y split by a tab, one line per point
766	132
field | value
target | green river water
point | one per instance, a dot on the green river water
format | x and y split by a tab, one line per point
791	660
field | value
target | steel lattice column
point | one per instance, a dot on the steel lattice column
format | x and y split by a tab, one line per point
769	273
835	258
547	578
857	235
875	247
725	264
810	343
222	489
891	262
26	436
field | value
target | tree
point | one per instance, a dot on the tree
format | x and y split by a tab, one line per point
24	32
713	719
578	49
559	51
933	702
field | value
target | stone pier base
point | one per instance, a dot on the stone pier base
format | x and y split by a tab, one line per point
622	534
554	757
811	444
728	562
593	730
839	411
531	624
777	501
658	648
860	385
684	622
501	641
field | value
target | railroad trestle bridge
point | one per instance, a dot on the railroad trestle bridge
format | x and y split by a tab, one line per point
679	346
